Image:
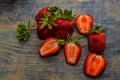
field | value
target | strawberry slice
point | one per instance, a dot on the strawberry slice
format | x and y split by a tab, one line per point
72	51
96	40
94	64
49	47
84	23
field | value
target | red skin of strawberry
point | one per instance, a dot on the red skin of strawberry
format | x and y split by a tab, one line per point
44	33
96	42
84	23
72	52
41	13
49	47
63	28
94	64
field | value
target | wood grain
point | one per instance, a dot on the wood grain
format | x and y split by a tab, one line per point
19	61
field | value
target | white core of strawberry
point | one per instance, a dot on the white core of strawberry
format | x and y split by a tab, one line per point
71	58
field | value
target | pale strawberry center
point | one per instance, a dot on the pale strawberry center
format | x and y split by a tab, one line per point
71	52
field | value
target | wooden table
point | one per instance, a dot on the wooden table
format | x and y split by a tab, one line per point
21	61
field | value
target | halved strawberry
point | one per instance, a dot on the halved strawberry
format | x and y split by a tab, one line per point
50	46
94	64
96	40
84	23
72	51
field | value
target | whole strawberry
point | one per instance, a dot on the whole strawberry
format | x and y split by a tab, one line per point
46	26
41	13
96	40
65	24
50	9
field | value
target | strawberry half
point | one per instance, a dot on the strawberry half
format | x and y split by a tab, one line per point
50	46
72	51
65	24
94	64
84	23
96	40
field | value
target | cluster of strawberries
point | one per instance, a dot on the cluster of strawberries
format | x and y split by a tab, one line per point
54	25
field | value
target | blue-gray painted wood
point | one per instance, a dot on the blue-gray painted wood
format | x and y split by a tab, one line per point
19	61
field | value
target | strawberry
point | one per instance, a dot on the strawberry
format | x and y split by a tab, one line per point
45	10
50	46
41	13
72	51
84	23
46	26
96	40
65	24
46	23
94	64
45	32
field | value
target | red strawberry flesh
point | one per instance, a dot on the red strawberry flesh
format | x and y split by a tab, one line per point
94	64
49	47
72	52
84	23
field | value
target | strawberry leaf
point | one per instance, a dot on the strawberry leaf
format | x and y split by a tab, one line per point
23	31
96	30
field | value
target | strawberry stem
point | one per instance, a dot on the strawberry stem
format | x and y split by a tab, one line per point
96	30
60	41
78	39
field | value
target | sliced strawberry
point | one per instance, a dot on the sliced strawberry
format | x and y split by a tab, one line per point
49	47
84	23
72	52
94	64
96	40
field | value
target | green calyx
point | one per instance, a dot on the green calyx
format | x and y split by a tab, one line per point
70	39
67	14
47	21
50	17
96	30
54	10
23	31
60	41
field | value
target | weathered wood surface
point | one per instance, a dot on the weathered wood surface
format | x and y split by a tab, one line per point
20	61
